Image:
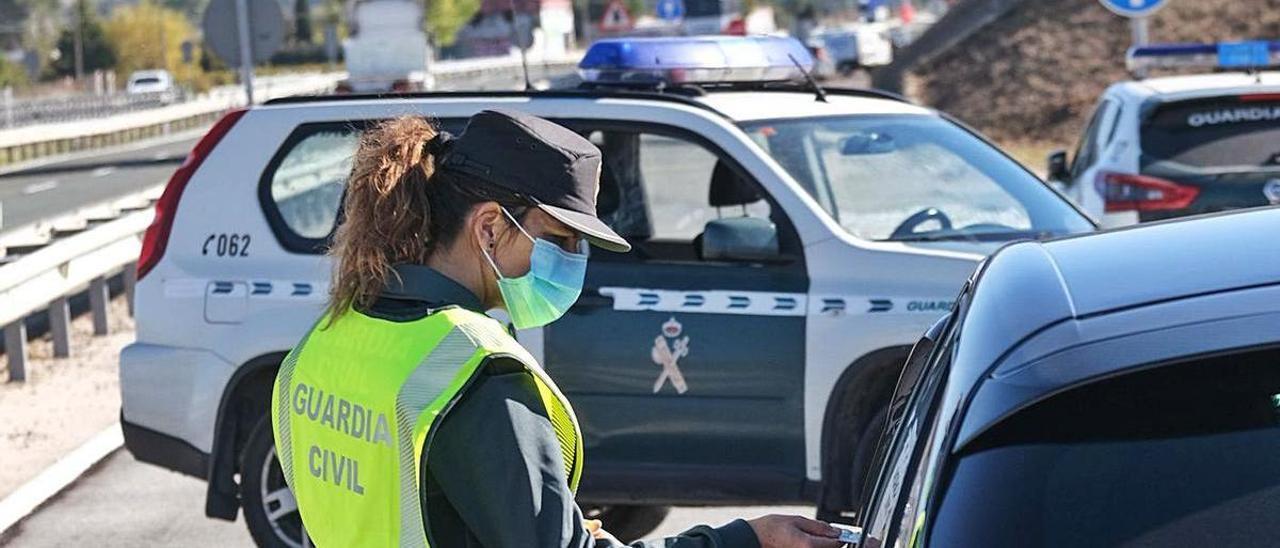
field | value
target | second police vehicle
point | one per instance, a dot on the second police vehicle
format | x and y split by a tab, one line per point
1164	147
789	246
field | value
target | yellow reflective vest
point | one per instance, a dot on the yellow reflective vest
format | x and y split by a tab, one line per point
356	403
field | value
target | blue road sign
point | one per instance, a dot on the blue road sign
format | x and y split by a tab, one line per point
1133	8
670	10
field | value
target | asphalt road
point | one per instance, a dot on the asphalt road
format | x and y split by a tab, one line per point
41	192
127	503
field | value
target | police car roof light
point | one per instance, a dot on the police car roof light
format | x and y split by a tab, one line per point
694	60
1247	55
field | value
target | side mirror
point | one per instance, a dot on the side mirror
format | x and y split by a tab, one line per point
1057	166
740	239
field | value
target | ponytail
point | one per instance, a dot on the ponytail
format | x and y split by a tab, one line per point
397	208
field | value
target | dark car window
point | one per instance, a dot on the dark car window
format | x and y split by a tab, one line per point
919	357
1225	132
301	188
904	442
1087	149
1178	455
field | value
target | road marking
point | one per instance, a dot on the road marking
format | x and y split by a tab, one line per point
102	171
54	479
40	187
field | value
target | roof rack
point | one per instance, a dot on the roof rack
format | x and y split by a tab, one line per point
684	94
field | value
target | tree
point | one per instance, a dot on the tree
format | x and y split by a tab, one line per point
12	74
302	21
148	36
446	17
97	52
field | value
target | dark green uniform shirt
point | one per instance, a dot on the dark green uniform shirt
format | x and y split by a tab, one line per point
496	478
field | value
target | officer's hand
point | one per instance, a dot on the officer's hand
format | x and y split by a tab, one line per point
597	531
775	531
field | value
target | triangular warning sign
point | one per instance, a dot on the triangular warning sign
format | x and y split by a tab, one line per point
616	17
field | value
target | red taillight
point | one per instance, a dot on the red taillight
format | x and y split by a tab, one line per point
157	236
1257	97
400	86
1127	192
736	27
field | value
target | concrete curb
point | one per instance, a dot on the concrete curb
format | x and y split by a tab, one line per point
27	498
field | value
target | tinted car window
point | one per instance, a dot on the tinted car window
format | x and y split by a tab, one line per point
878	174
1220	133
1087	149
1179	455
302	186
307	184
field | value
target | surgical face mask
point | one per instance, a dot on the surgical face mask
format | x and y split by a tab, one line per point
552	285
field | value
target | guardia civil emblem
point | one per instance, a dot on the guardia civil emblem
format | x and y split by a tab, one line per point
668	348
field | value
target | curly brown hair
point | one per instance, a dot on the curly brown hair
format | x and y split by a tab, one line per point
397	208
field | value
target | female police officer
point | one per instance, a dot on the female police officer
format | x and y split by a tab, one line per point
407	417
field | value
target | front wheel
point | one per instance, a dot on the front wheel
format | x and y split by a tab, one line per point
628	523
270	511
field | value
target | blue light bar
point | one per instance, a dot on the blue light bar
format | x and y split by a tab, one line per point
694	59
1249	55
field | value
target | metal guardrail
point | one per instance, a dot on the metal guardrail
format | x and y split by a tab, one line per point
43	264
23	112
24	144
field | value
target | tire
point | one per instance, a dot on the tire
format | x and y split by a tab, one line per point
270	511
628	522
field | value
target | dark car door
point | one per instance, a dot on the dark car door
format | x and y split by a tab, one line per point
687	374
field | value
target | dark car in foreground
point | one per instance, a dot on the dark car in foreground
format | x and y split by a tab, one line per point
1117	389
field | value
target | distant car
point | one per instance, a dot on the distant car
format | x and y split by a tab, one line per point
1165	147
1117	389
863	46
149	81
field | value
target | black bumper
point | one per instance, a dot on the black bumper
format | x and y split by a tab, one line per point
165	451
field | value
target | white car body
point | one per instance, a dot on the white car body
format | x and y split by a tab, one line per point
149	81
205	321
1111	141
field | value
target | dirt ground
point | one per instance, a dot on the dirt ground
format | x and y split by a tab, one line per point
1033	76
64	402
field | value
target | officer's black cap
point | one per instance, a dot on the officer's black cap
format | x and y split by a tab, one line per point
540	161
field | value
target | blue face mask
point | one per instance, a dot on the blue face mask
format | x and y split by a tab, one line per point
551	286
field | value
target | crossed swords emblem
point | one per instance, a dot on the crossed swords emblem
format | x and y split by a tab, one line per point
668	356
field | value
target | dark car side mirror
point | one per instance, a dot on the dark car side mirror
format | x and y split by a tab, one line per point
740	239
1056	163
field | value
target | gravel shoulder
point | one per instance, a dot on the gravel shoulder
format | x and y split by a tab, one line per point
64	401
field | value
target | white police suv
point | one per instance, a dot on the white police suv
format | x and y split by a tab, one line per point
1164	147
789	246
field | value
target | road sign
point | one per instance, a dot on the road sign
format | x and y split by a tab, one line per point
266	30
616	18
1133	8
670	10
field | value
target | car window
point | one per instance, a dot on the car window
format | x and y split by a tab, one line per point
1087	147
307	184
1156	457
895	488
662	184
303	184
913	177
917	360
1223	132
